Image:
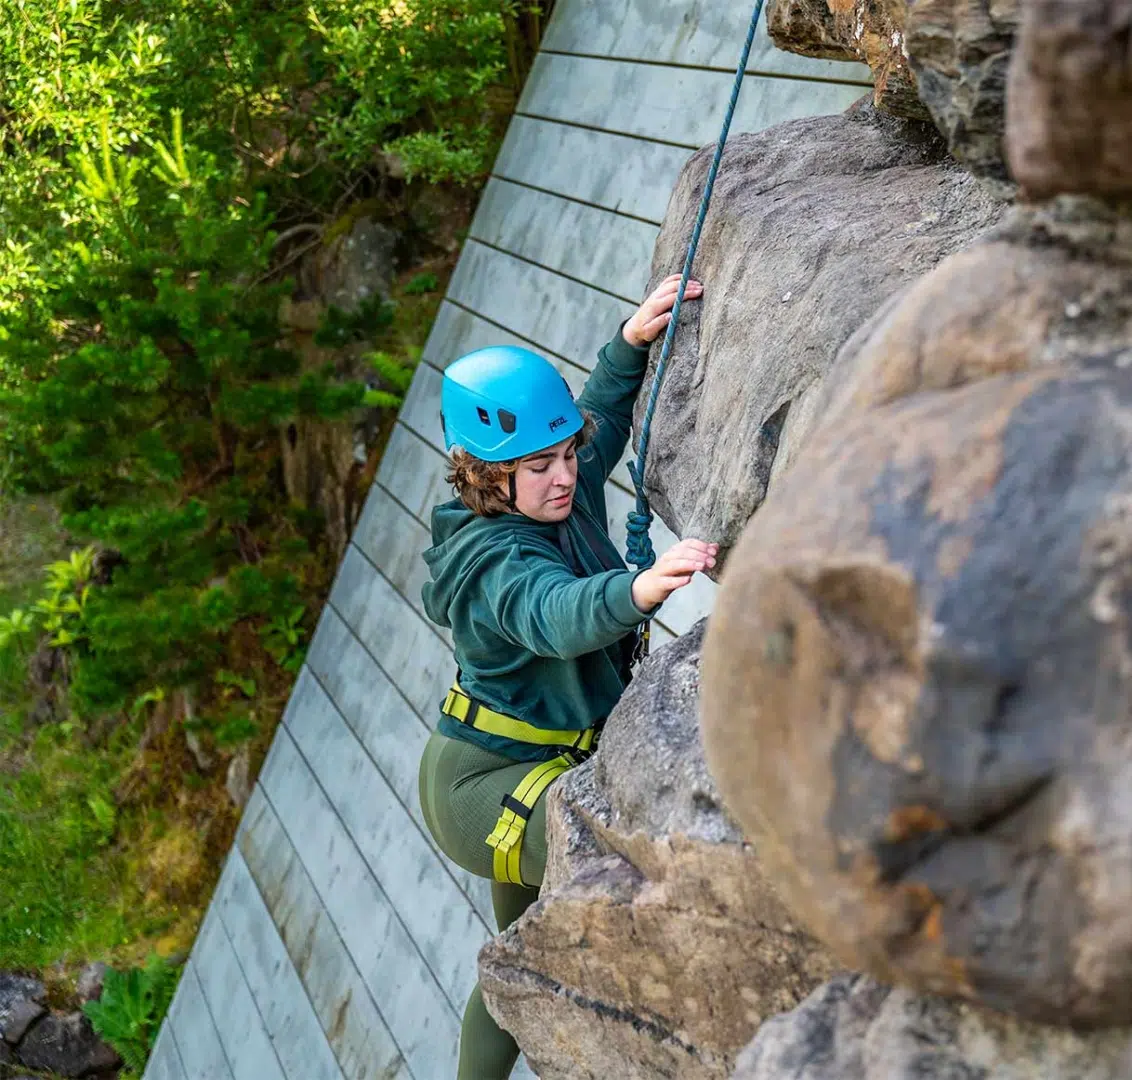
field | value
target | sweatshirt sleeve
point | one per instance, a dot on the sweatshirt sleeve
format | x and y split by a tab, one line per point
540	605
609	395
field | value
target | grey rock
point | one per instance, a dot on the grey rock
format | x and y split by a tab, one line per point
814	224
238	782
960	51
355	266
917	671
856	1029
15	989
657	947
20	1017
88	987
66	1045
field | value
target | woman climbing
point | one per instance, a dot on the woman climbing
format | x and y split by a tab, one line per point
544	615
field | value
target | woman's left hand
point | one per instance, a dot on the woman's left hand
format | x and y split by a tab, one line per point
656	312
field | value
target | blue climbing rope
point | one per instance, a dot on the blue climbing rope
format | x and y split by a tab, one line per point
640	551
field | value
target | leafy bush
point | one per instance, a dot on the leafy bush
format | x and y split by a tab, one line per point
130	1010
148	156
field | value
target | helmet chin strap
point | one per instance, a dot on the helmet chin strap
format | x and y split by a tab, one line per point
511	488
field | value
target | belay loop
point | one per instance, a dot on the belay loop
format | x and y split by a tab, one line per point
639	548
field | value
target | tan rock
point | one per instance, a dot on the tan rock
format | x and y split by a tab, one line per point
871	31
917	674
814	225
657	947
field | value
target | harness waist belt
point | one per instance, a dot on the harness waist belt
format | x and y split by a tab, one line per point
463	707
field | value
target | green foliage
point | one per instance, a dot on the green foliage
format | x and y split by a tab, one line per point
420	284
395	374
411	77
16	628
130	1010
157	160
63	606
283	638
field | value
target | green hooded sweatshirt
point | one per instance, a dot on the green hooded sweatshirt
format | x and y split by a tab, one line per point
542	613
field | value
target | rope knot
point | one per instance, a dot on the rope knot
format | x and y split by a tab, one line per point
639	549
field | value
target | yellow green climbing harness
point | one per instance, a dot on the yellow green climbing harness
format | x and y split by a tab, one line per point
507	836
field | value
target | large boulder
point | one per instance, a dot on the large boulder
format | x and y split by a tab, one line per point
918	673
67	1046
813	225
15	992
657	947
856	1029
1069	109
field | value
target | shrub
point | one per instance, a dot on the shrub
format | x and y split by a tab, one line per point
130	1010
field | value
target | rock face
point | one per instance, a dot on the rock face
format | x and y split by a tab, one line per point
15	990
1070	101
657	947
917	676
63	1044
353	267
943	59
960	51
813	225
871	31
856	1029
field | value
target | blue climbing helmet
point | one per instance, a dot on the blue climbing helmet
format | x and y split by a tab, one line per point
505	402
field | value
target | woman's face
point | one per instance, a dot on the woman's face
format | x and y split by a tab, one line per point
545	482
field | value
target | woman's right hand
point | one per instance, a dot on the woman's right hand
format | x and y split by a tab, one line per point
672	571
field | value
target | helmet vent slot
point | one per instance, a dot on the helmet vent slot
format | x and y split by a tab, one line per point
506	421
484	418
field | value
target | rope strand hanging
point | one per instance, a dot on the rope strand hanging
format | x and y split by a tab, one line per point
640	550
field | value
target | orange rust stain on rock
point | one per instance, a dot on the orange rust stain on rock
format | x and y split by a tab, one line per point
908	821
933	924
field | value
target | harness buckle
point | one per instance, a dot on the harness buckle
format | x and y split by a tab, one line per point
473	712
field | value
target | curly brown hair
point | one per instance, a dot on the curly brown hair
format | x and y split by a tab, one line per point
481	484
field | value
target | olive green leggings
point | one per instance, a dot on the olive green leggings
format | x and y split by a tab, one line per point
461	787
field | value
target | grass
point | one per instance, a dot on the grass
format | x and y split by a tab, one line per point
93	868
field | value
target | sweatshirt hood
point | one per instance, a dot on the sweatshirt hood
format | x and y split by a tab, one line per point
459	538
